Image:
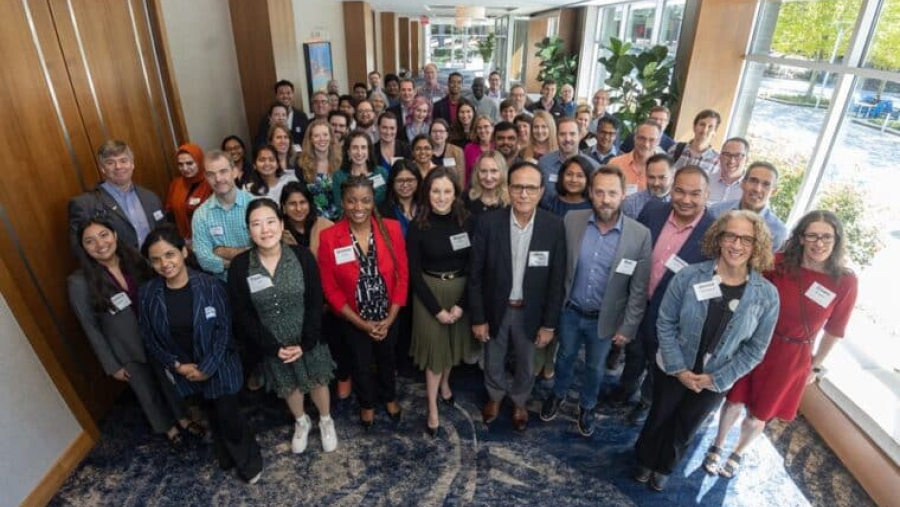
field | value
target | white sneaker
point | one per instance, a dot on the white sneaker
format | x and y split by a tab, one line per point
301	433
329	435
255	478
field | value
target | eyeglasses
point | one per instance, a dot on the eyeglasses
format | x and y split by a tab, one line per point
811	237
730	237
524	189
732	156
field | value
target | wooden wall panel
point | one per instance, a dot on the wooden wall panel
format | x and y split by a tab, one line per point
537	30
389	42
285	50
414	38
256	60
359	40
403	41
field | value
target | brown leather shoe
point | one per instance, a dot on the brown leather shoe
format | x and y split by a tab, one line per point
520	418
490	411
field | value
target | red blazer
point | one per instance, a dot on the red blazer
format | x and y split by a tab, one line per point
339	280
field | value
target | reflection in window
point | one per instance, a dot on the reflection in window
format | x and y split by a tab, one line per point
885	50
817	30
640	24
670	28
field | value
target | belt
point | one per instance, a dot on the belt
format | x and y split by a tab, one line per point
798	341
516	303
450	275
586	314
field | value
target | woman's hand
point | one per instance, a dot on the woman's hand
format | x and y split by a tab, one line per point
290	354
690	380
444	317
123	376
456	312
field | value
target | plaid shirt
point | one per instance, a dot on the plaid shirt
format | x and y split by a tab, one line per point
215	226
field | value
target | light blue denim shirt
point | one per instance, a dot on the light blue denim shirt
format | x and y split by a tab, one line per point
744	342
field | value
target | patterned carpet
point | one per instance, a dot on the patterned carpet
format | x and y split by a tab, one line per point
548	465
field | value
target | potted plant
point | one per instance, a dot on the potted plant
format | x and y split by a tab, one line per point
486	50
555	63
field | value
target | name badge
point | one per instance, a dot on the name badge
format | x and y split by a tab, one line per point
553	178
217	230
538	259
631	189
377	180
707	290
121	301
297	147
193	201
258	282
158	215
210	312
820	294
675	263
449	162
344	255
590	142
460	241
626	267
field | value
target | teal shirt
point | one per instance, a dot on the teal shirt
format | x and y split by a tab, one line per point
380	185
215	226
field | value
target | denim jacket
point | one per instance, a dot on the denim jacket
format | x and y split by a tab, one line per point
744	342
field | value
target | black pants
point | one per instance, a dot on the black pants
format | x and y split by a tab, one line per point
235	443
337	345
382	384
674	417
640	357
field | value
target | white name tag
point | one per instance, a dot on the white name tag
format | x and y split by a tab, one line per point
820	294
377	180
449	162
297	147
460	241
158	215
675	263
210	312
193	201
344	255
217	230
538	259
707	290
631	189
626	267
553	178
121	301
590	142
258	283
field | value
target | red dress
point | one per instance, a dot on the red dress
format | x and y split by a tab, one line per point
774	388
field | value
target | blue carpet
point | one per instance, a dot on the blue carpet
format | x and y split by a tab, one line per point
469	464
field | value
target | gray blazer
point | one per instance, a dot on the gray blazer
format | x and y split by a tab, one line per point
626	296
98	201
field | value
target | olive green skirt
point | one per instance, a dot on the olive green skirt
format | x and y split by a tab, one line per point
437	346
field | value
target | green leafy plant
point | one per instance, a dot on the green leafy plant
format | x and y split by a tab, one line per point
555	63
486	47
638	80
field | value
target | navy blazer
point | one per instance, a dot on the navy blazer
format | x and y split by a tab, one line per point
98	202
213	351
441	109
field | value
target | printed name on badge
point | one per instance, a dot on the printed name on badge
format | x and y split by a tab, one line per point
820	294
460	241
449	162
707	290
258	282
217	230
675	263
193	201
344	255
538	259
121	301
158	215
590	142
553	178
377	180
210	312
626	267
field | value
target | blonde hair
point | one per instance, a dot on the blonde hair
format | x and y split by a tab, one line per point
547	118
761	258
474	132
475	190
306	159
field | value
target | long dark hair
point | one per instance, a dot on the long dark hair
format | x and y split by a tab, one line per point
457	210
101	286
364	182
347	163
399	167
295	187
835	265
582	162
255	183
169	234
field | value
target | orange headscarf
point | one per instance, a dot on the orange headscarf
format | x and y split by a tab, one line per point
187	194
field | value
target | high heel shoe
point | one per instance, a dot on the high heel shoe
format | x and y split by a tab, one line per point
449	401
432	431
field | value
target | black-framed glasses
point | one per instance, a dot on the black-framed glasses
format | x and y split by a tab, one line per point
524	189
730	237
811	237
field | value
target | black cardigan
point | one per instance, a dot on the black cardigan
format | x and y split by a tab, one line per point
247	325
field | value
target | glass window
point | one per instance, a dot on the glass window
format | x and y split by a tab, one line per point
609	26
670	28
640	26
817	30
884	52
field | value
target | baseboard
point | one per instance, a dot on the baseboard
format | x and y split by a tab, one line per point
60	471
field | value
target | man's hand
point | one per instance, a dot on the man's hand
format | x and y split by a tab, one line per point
543	337
481	332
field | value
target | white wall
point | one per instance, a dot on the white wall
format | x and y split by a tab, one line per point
36	426
201	43
322	20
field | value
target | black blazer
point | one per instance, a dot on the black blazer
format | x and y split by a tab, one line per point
491	272
398	112
441	109
299	122
99	202
247	325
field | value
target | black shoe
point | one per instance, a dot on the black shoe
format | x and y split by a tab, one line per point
585	421
658	481
550	408
642	474
638	414
449	401
432	432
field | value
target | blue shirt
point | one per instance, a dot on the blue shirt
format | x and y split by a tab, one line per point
595	260
549	166
776	226
132	207
215	226
634	203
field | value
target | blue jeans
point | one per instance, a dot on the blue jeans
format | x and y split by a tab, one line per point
575	330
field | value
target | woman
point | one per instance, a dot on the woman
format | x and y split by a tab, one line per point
359	160
302	224
268	178
715	322
699	151
234	146
279	137
523	127
402	201
186	324
488	190
817	291
543	136
278	115
188	191
389	147
418	120
277	301
461	132
103	294
586	139
571	187
379	102
438	246
567	100
364	276
317	163
422	152
444	153
482	141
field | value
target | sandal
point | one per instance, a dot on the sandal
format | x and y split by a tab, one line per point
732	465
712	459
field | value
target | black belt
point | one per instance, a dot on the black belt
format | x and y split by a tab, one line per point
588	315
517	303
449	275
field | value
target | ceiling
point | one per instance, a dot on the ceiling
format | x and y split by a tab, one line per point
445	8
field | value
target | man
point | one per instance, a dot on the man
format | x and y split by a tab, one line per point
392	89
334	101
567	138
431	89
759	185
567	100
676	228
660	115
220	230
375	82
516	289
297	120
659	184
519	99
320	106
446	107
340	125
599	102
494	90
132	211
506	141
333	87
606	132
484	105
365	120
548	100
507	111
634	163
360	92
607	271
699	150
725	178
407	96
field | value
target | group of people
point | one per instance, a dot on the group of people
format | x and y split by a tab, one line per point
399	224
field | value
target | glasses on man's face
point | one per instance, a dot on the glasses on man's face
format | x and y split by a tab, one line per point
732	156
524	189
439	132
811	237
730	237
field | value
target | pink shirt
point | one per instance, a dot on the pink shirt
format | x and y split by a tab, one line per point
669	243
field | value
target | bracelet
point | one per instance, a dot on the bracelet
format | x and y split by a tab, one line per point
820	371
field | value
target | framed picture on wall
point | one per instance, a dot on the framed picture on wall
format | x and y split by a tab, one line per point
318	66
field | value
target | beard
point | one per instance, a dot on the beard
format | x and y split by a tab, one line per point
606	214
